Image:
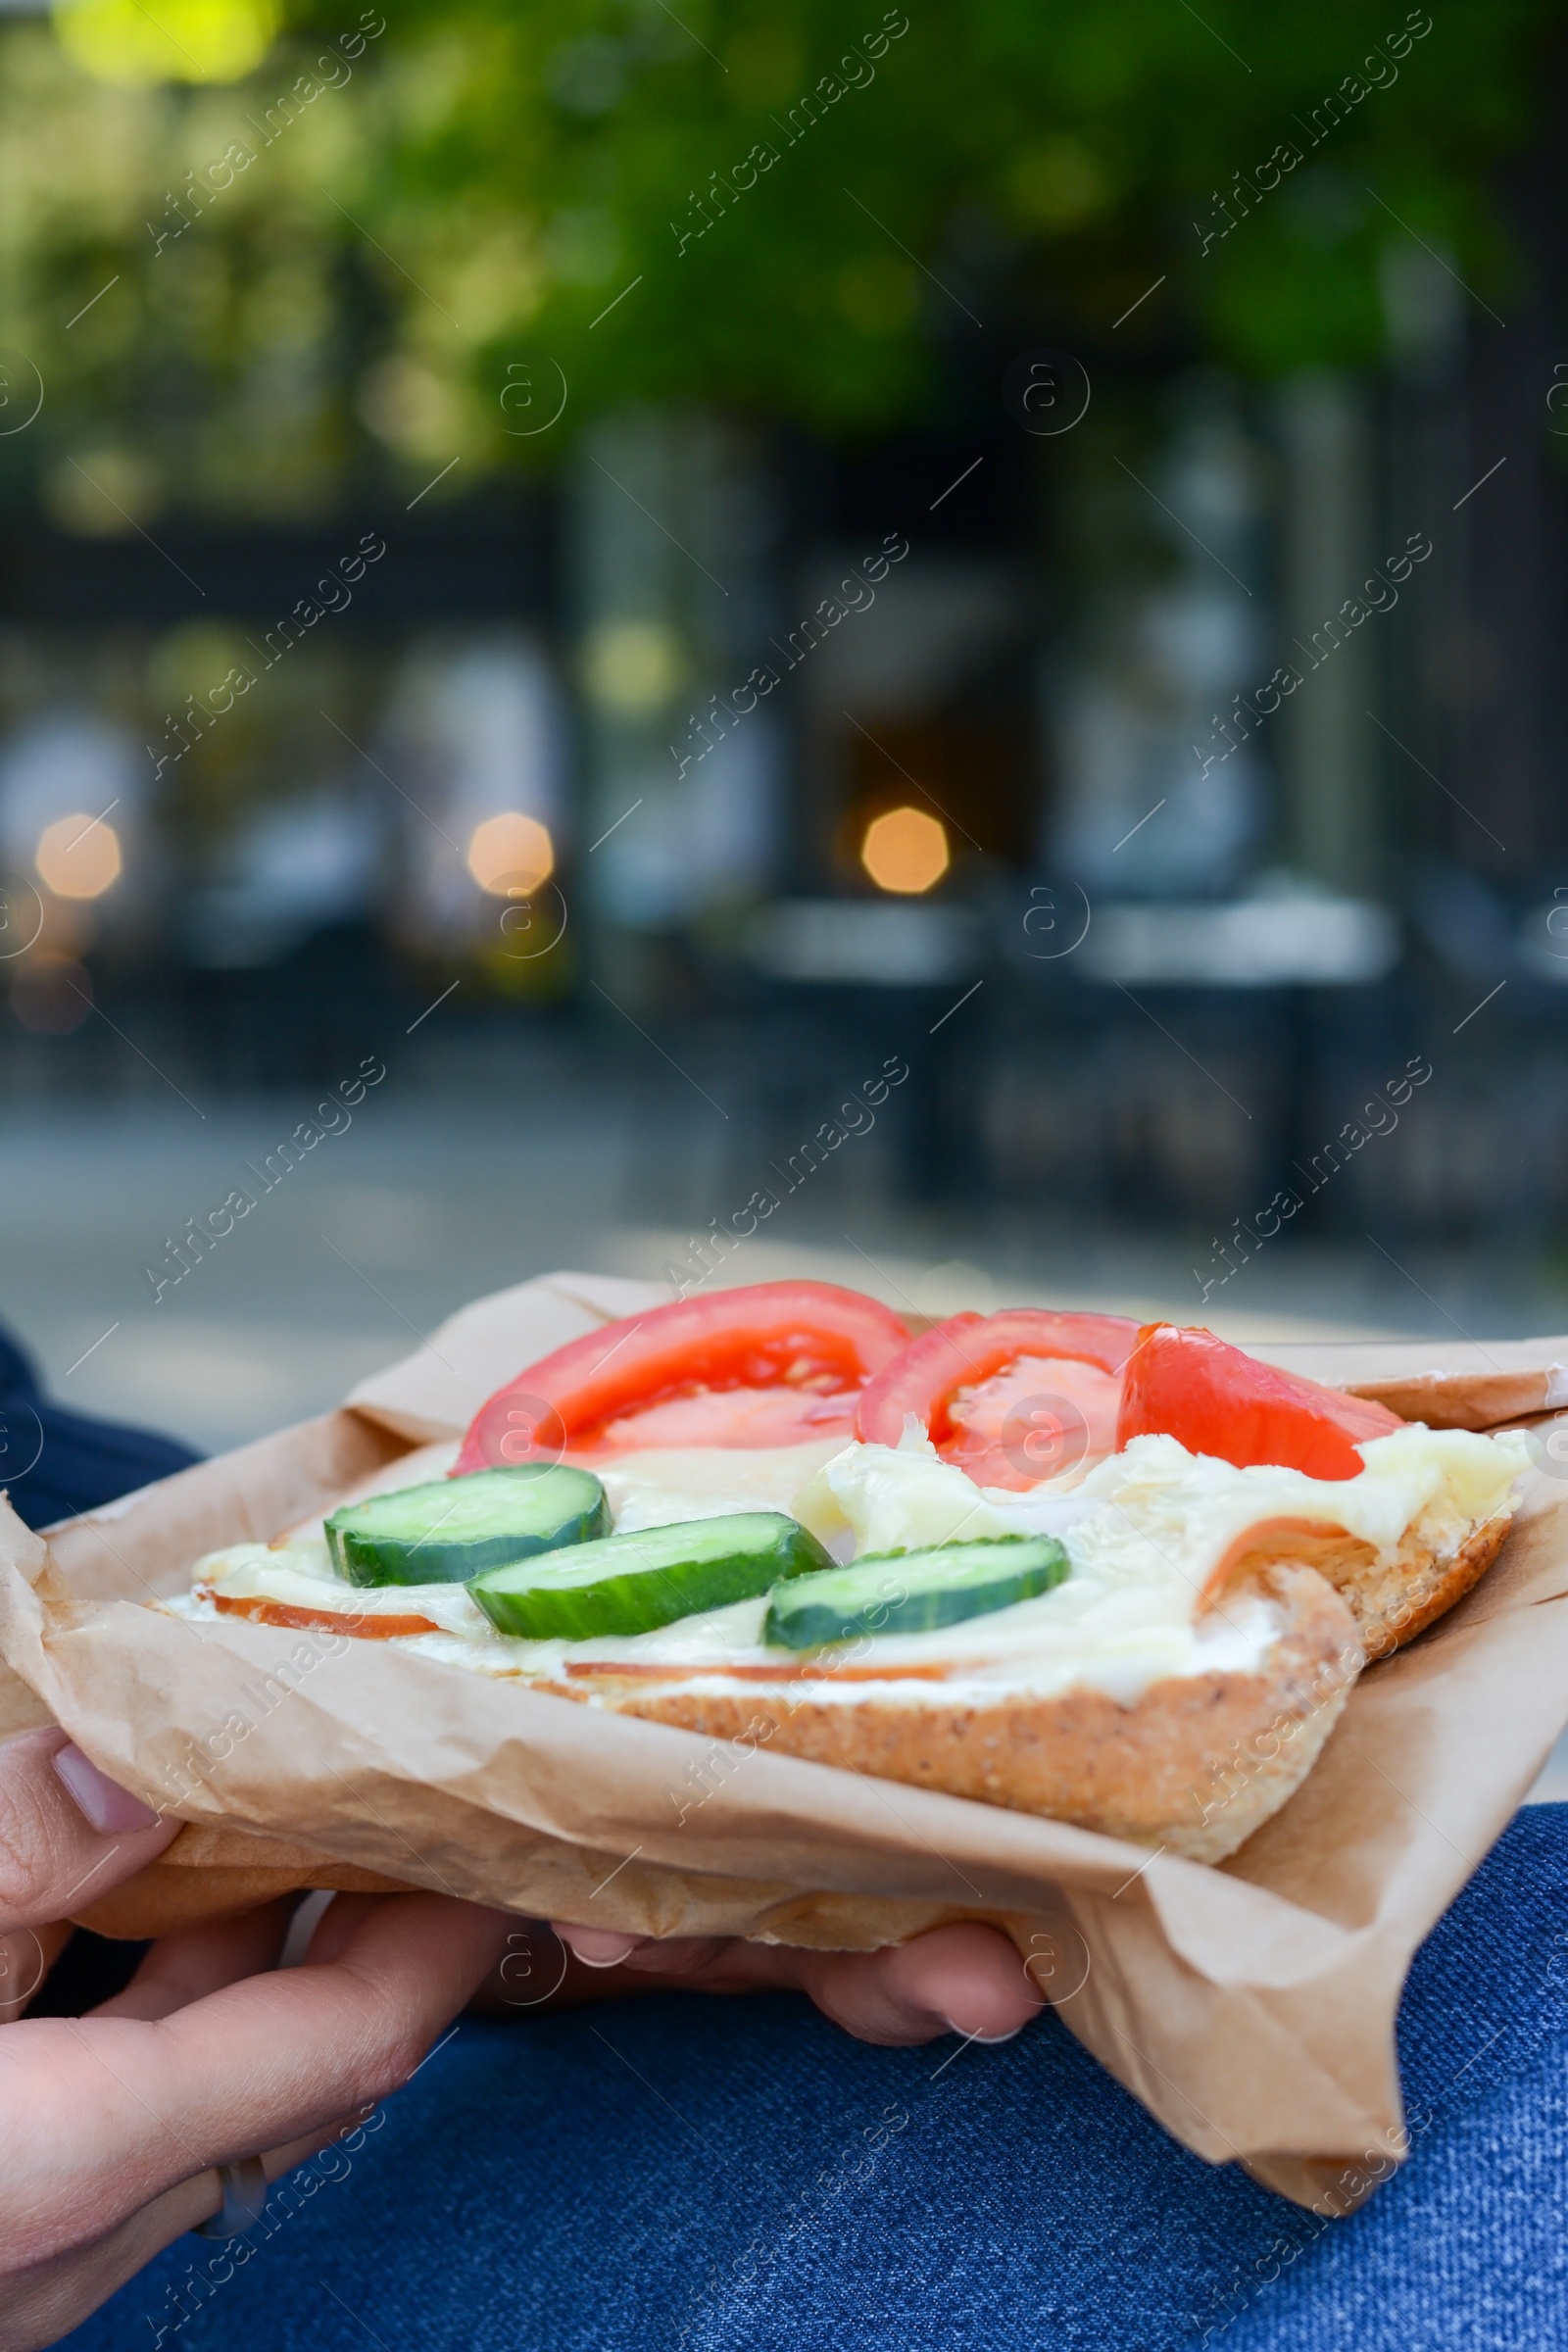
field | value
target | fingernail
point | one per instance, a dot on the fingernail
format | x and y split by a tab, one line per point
986	2040
104	1805
599	1947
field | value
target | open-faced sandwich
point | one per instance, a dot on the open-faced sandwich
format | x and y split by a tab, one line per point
1119	1576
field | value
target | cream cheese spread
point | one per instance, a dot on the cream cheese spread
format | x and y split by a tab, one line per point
1143	1531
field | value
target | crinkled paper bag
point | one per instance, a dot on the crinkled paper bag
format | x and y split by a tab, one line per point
1249	2007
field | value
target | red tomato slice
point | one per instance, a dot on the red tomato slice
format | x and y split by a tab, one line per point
782	1416
1011	1399
768	1364
1217	1401
359	1623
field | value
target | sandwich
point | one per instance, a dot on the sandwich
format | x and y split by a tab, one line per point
1120	1577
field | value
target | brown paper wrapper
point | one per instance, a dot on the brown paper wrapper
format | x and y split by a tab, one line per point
1251	2007
1474	1385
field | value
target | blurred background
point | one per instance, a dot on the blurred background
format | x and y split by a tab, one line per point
924	645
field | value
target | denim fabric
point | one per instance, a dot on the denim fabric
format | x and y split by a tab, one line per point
56	1463
686	2174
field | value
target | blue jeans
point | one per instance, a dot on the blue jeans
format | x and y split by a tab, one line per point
55	1462
691	2174
688	2174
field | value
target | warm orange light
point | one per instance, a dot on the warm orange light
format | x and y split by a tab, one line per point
510	854
906	851
79	856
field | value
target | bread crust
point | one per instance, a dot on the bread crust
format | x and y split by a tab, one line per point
1393	1598
1419	1586
1193	1765
1431	1589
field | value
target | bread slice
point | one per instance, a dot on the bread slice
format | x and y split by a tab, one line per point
1192	1764
1188	1747
1392	1596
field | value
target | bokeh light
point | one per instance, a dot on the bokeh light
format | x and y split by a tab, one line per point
79	856
633	668
510	854
185	41
906	851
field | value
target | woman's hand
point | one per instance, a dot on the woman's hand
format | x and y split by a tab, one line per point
960	1980
112	2123
67	1835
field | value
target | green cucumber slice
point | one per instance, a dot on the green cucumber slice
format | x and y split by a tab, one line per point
630	1583
448	1530
914	1592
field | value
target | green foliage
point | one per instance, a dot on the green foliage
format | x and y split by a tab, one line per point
1035	157
490	178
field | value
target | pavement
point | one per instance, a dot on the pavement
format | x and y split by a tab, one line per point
426	1196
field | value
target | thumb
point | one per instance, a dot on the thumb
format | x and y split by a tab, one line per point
67	1832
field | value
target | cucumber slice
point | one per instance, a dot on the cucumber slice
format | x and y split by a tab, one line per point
448	1530
914	1592
631	1583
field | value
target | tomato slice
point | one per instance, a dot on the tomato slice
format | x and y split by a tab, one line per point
361	1624
1217	1401
769	1365
1011	1399
782	1416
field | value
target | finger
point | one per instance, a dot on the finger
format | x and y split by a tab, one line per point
338	1925
46	2299
679	1956
595	1947
121	2108
651	1955
26	1956
68	1834
276	2161
538	1972
181	1969
959	1980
